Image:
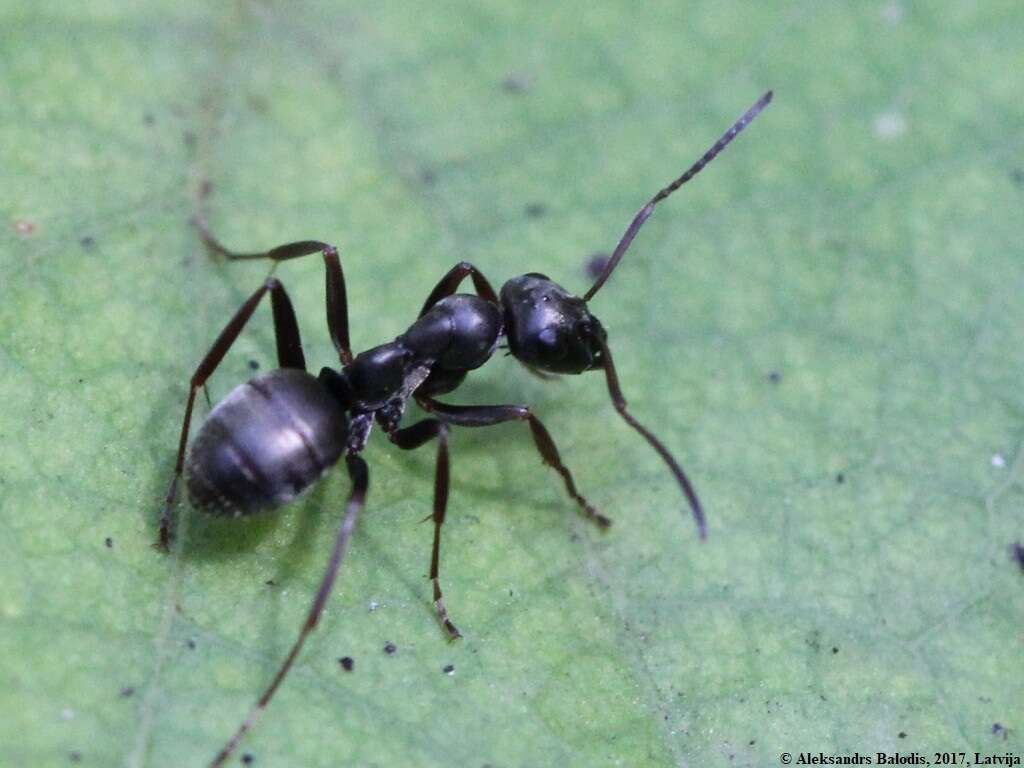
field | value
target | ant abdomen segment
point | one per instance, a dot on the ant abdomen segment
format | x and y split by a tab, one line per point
264	444
276	435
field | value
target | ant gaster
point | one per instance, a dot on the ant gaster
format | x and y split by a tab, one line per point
274	436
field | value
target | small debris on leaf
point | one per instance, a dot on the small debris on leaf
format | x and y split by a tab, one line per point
515	83
595	264
1017	552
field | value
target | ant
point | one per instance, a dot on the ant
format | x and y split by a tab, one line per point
272	437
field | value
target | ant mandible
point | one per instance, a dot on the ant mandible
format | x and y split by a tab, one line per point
274	436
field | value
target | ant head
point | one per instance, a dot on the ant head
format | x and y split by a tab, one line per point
548	328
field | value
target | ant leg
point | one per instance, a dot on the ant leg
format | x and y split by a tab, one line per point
409	439
289	355
356	501
448	284
487	415
337	303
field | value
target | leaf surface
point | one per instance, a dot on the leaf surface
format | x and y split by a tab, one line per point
826	328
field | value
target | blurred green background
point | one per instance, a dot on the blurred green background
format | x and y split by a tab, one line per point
826	327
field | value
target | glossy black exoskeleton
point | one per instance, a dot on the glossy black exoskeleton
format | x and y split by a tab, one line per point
274	436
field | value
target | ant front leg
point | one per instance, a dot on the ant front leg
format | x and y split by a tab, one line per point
289	355
409	439
337	303
488	415
448	284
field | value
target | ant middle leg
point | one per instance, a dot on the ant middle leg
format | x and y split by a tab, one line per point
488	415
409	439
448	284
337	302
289	355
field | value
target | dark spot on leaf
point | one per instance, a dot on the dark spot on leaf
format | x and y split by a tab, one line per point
449	669
535	210
902	734
75	757
1017	552
428	177
189	139
1017	175
999	730
515	83
840	478
774	377
595	264
24	227
347	663
248	759
87	242
258	103
814	640
270	583
127	692
109	542
191	644
835	650
752	742
254	365
390	648
148	118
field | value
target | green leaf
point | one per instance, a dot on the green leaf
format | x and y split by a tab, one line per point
826	328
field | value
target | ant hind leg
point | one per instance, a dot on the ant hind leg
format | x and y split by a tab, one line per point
289	355
337	302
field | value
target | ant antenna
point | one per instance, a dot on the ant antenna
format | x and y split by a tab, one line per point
693	170
619	401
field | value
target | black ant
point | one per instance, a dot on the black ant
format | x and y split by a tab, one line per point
274	436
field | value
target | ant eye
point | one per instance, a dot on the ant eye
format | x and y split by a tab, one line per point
553	343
